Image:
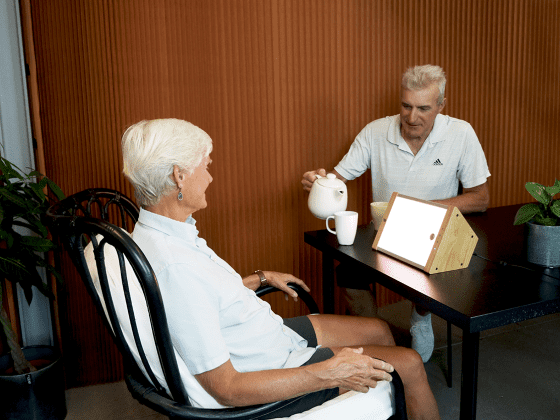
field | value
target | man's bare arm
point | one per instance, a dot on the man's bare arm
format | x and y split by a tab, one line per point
471	200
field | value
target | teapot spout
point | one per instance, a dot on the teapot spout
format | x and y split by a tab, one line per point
341	192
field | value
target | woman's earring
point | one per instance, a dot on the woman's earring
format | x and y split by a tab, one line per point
180	196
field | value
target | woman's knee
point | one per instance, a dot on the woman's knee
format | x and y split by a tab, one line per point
410	364
380	333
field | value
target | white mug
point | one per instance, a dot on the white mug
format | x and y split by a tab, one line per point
346	223
377	211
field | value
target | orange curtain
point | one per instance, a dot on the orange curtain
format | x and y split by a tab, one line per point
282	87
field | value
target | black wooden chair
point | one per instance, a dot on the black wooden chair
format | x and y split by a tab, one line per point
82	234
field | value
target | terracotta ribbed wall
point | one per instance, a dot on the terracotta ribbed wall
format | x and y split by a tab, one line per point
282	87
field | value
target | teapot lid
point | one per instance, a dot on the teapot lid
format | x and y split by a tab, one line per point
330	181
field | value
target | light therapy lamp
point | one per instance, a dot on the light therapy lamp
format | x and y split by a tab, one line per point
432	237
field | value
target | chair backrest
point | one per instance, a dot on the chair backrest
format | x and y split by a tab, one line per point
121	282
100	203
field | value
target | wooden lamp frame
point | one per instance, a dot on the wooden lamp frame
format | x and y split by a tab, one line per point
452	247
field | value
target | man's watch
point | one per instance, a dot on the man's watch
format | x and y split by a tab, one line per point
264	281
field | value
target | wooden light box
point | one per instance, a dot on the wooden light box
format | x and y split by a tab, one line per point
432	237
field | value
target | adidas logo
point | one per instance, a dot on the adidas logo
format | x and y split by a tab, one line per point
437	163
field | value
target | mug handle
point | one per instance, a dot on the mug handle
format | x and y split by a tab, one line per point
328	228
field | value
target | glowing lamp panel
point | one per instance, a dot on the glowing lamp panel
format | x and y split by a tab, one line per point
411	229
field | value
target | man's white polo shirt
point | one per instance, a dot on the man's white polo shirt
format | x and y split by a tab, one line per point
450	154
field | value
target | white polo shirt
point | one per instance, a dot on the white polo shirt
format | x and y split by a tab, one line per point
212	316
450	154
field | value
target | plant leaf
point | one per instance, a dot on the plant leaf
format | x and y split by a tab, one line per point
37	244
16	199
9	170
55	189
10	265
555	208
38	189
526	213
545	221
10	240
555	189
538	192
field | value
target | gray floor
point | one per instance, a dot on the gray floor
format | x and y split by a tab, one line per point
519	375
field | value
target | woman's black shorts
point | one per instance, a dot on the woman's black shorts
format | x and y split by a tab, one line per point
303	326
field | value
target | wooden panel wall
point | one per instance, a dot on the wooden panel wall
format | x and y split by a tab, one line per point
282	87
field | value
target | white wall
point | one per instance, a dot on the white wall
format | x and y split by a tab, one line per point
17	146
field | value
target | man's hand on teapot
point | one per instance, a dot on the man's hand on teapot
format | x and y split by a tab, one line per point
310	177
281	280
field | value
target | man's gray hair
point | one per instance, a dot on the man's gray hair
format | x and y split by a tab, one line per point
420	77
152	148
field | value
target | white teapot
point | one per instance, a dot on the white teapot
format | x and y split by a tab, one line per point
327	196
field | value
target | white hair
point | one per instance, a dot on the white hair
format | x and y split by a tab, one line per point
420	77
151	149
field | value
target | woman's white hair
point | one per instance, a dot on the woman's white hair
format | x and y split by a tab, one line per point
420	77
152	148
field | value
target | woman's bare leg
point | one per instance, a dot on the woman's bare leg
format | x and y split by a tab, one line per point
337	332
344	331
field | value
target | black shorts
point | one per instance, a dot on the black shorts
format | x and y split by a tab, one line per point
303	326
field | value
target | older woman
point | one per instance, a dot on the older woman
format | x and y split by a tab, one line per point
239	351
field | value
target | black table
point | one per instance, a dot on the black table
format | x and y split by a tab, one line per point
499	287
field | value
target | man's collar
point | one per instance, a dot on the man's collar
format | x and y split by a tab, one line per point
396	137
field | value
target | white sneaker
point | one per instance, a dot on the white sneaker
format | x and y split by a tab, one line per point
422	334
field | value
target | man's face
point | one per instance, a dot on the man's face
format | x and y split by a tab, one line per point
419	109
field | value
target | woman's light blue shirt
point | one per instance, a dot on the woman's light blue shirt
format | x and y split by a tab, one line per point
212	316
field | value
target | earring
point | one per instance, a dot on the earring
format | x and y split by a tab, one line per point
180	196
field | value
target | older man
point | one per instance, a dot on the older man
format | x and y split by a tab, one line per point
419	153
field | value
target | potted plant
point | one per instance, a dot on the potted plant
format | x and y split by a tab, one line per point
542	221
31	379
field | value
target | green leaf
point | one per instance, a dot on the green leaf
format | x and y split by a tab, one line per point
545	221
55	189
34	174
37	244
9	170
38	189
555	208
10	265
555	189
538	192
41	228
10	240
16	199
526	213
